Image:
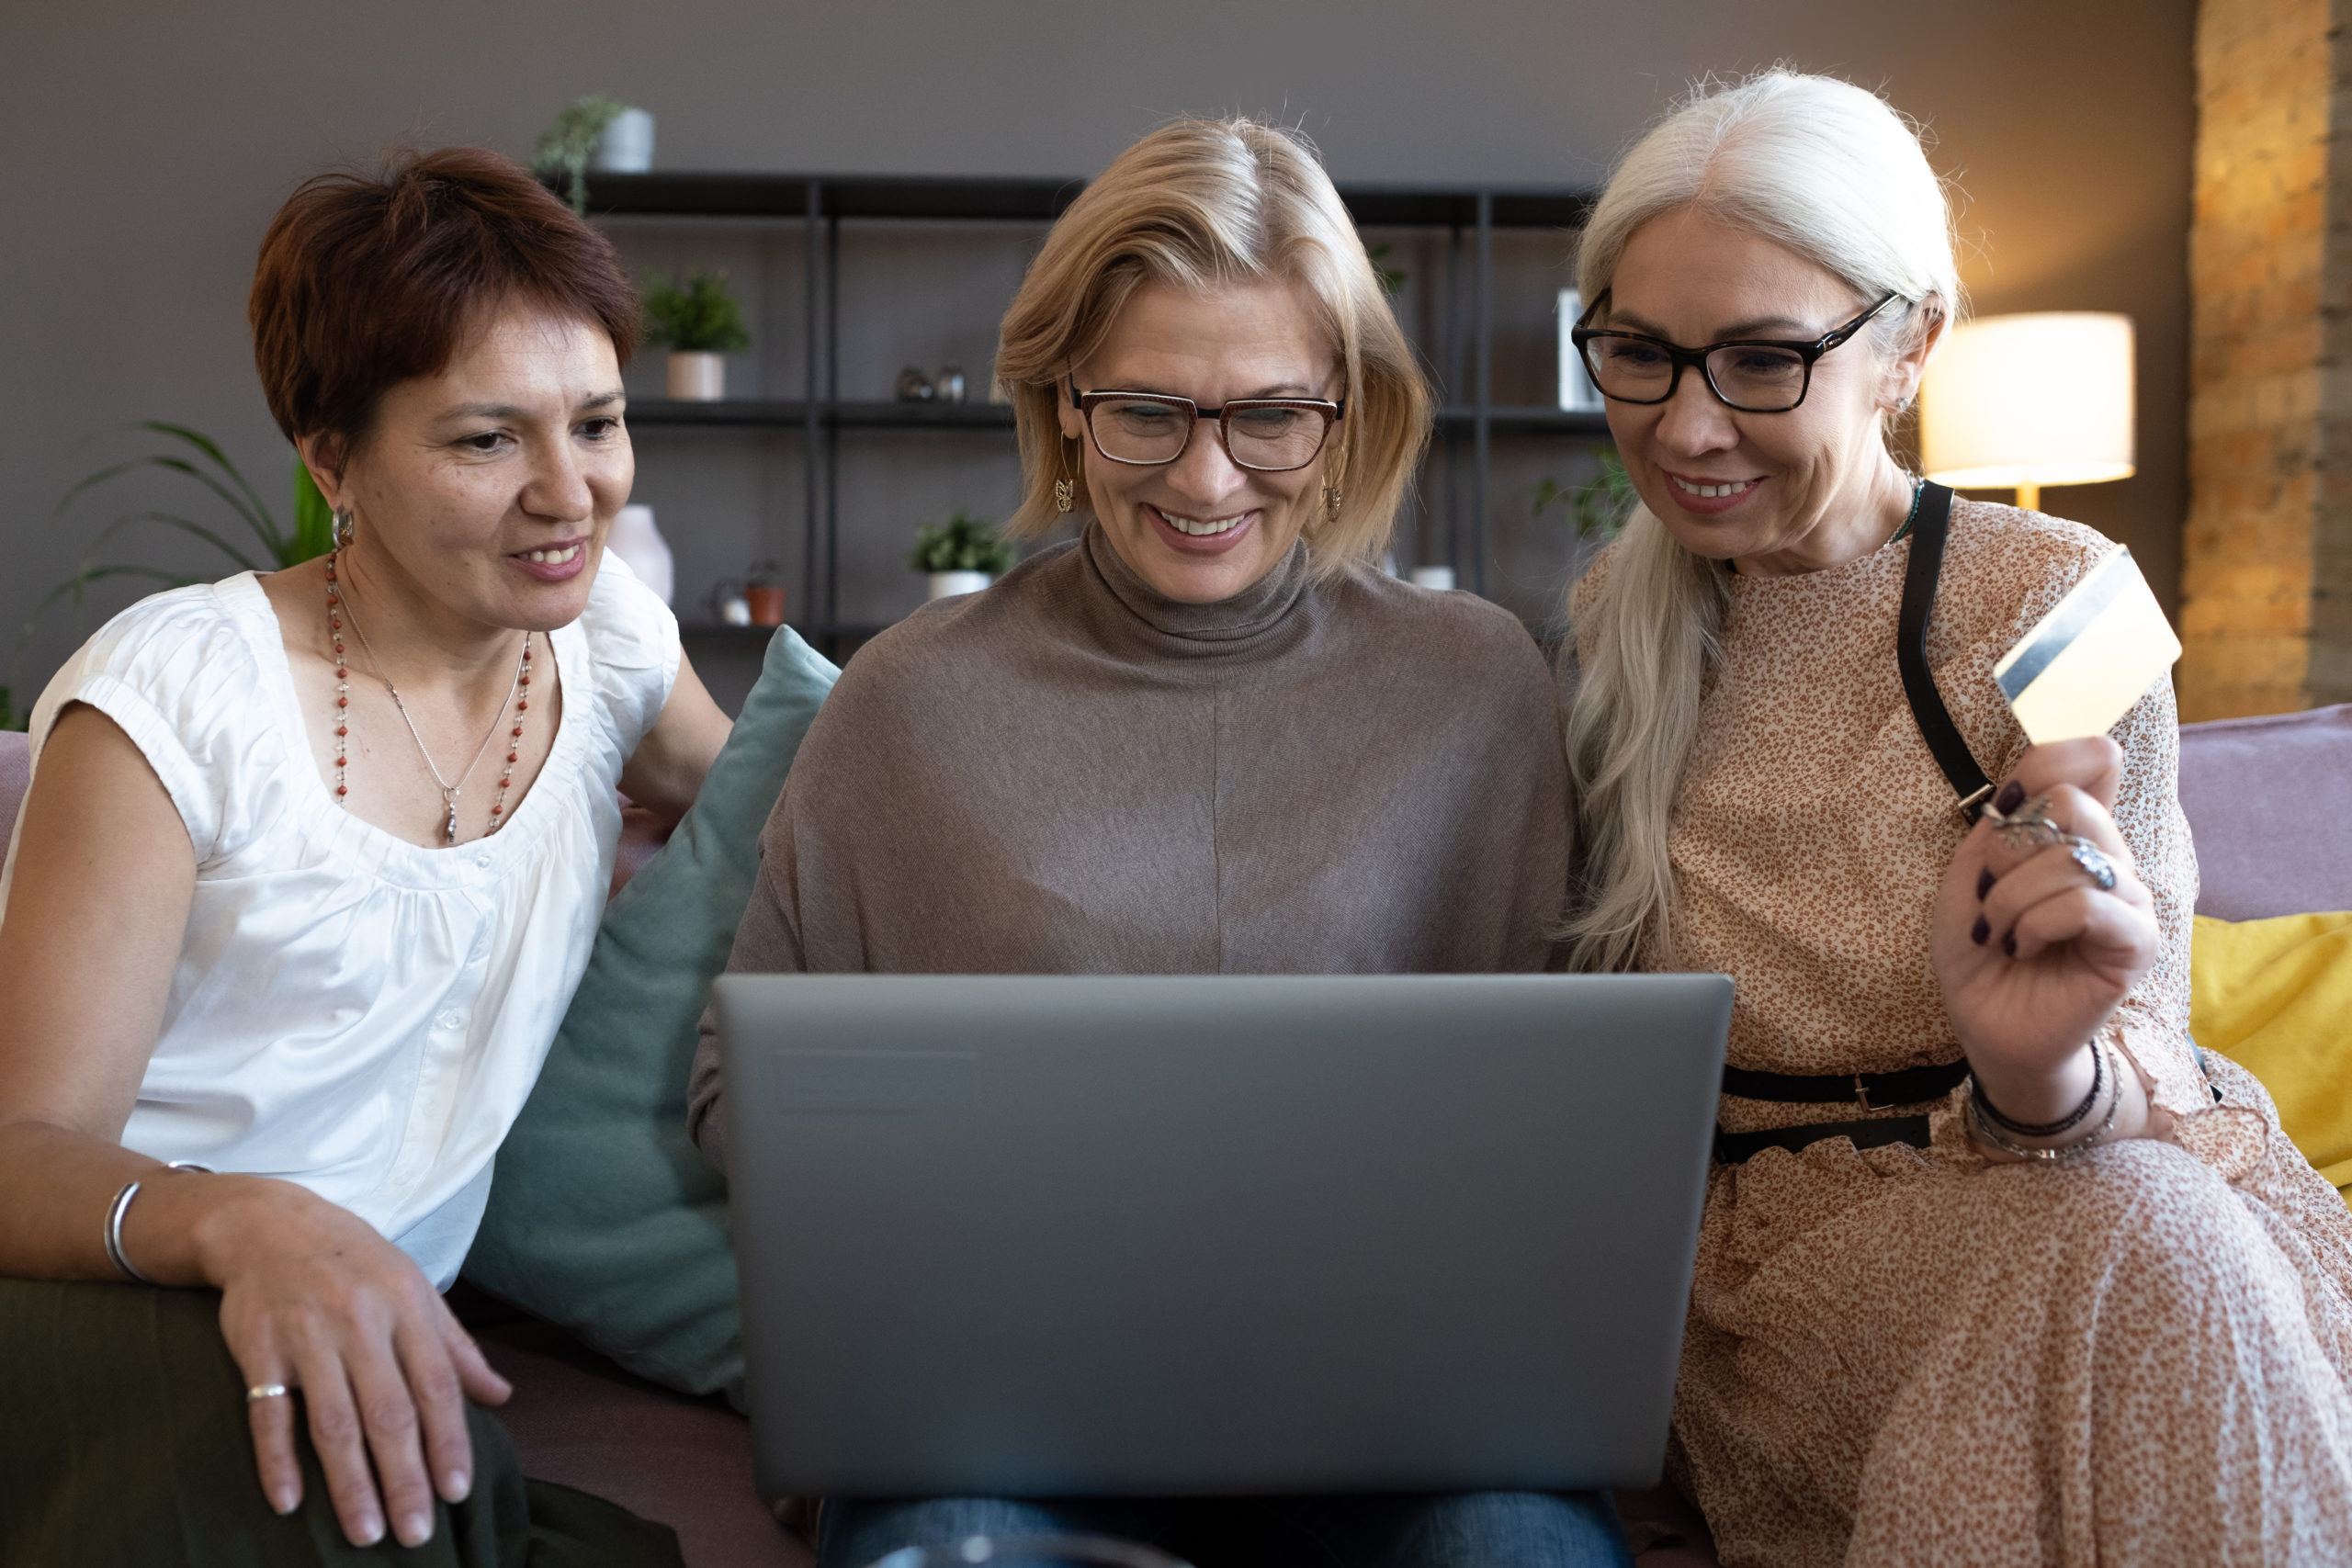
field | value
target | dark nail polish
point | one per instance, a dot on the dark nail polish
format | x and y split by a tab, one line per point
2012	796
1980	933
1984	886
2009	945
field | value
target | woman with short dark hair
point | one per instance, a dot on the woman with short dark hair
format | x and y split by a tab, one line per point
308	867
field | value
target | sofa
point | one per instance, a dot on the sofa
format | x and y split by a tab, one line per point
2266	798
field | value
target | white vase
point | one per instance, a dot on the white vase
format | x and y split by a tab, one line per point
948	584
1577	393
636	541
698	378
627	145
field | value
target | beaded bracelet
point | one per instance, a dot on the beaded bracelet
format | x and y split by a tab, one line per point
1984	1129
2064	1124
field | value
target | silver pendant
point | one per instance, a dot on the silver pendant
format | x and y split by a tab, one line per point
449	831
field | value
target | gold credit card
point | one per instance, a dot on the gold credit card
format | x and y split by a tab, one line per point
2078	671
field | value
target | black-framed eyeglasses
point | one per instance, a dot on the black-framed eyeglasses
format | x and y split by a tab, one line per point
1752	375
1266	436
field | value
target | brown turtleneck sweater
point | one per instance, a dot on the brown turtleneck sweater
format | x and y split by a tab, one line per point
1070	774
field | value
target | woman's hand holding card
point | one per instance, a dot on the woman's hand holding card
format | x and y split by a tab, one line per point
2033	953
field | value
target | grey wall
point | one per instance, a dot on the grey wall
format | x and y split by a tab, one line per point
143	145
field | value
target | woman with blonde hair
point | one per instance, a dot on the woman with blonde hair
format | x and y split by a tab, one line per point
1204	737
1993	1269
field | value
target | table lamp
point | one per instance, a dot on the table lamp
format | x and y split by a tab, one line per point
2026	401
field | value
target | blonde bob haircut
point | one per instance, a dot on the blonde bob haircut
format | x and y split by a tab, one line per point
1199	204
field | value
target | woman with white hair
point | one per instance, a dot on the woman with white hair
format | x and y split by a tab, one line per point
1993	1269
1206	736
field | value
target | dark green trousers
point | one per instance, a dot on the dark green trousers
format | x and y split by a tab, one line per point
123	1440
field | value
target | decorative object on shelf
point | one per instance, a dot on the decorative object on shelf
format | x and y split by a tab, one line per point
697	377
1439	577
2022	401
1464	309
567	149
1598	507
1391	278
949	388
627	145
636	541
697	321
998	393
962	557
763	593
311	533
728	604
950	584
914	387
1578	394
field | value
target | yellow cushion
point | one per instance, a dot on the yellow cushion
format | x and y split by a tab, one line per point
2276	997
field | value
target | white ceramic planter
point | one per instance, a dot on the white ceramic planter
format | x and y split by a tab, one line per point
948	584
627	145
698	378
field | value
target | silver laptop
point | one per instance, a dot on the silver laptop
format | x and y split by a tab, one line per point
1039	1237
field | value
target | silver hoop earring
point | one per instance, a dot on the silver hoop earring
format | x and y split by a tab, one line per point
343	528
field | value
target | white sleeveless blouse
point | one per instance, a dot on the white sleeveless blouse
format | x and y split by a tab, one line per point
352	1012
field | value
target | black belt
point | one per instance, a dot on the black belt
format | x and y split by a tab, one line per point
1872	1092
1730	1148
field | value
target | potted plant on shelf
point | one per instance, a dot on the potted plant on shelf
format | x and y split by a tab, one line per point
962	557
697	321
595	132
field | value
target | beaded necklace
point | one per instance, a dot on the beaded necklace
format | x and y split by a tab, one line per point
519	694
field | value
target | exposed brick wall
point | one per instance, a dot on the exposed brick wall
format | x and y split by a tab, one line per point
2267	552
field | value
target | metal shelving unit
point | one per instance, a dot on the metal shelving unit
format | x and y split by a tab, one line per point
820	203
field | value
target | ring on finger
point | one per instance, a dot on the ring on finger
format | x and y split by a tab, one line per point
262	1391
2095	865
2031	826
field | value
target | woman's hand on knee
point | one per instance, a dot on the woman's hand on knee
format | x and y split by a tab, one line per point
2033	952
313	1300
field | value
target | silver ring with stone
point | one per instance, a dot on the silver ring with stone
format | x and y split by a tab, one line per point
2095	865
262	1391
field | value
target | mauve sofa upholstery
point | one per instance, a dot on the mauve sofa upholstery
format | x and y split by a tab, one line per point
2269	800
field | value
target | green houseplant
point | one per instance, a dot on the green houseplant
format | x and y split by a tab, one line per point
963	557
698	319
564	147
251	538
1599	507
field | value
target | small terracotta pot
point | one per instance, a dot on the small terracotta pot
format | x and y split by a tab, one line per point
767	605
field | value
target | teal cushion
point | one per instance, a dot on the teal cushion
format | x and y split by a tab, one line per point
602	1217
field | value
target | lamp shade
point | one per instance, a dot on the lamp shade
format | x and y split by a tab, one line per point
2026	401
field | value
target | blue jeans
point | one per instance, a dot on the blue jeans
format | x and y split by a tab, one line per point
1480	1529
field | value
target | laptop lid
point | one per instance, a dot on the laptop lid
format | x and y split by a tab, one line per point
1212	1235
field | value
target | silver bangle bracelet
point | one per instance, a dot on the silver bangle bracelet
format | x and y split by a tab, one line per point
120	1207
1982	1125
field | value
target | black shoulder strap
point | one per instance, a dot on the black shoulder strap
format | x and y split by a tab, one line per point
1928	532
